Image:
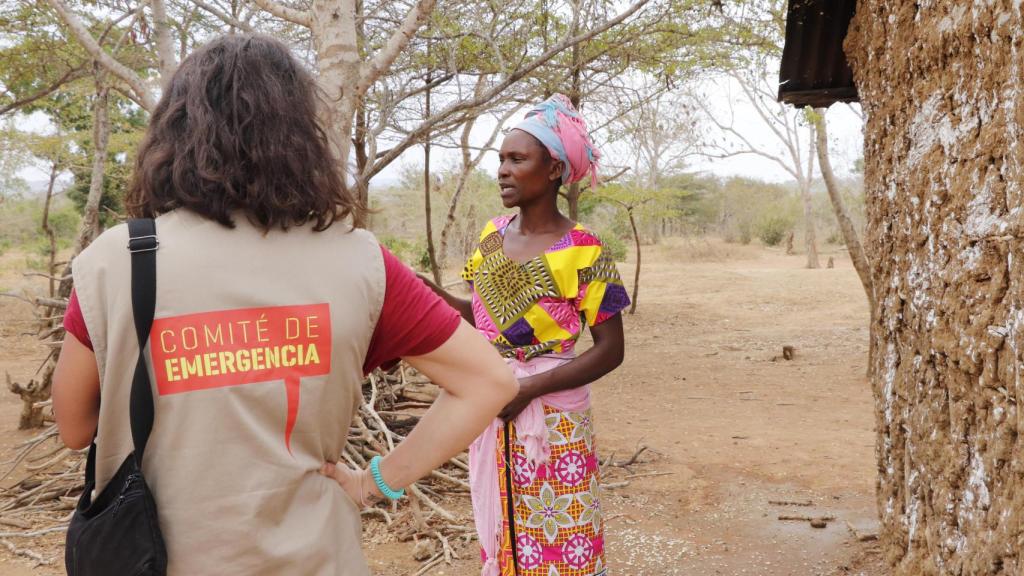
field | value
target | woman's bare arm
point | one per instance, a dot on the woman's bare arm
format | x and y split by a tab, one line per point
605	355
76	393
476	384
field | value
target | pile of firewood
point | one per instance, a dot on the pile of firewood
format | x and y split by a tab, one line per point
46	478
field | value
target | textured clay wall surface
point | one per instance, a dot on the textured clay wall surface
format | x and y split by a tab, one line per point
942	86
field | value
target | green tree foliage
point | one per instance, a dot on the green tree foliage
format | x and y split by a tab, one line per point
666	43
34	58
56	80
14	158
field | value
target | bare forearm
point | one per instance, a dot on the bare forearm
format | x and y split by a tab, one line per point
446	429
476	384
588	367
605	356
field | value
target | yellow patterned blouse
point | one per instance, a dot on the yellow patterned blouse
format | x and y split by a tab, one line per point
539	306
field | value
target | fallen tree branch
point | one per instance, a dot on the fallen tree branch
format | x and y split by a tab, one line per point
26	553
53	477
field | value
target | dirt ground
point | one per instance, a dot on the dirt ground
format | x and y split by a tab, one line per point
732	429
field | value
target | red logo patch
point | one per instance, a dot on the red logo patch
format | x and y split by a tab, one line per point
244	346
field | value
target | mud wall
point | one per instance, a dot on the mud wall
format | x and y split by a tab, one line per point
941	83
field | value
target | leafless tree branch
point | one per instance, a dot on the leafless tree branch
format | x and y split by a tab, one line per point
396	43
431	124
300	17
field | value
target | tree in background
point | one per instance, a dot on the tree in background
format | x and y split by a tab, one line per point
470	158
95	69
657	135
758	29
652	141
636	199
793	150
744	208
850	236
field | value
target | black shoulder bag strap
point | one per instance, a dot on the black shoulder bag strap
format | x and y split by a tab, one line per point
142	244
118	531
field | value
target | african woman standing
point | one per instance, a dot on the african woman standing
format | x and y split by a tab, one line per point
538	279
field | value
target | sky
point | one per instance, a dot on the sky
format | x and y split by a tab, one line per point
845	143
844	127
845	130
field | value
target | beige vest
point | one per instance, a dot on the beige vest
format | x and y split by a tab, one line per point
256	363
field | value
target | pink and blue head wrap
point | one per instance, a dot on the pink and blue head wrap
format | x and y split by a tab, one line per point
561	129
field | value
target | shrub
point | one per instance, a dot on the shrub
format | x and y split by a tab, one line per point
836	237
413	253
64	221
20	222
614	246
773	228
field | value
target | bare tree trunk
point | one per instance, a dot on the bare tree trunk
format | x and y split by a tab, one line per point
470	238
90	227
361	186
164	44
361	131
468	165
333	25
810	240
850	236
51	269
359	143
345	73
449	221
572	199
435	269
636	274
811	235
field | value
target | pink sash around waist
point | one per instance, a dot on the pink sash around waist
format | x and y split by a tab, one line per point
532	434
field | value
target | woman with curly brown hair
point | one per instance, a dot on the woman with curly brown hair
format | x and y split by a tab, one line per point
270	307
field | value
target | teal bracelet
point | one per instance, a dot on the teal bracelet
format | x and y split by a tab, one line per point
386	490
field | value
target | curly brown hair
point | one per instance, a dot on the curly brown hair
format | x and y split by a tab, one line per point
237	129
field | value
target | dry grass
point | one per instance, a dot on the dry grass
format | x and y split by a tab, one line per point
706	249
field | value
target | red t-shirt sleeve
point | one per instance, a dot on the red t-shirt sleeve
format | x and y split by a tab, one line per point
74	322
413	320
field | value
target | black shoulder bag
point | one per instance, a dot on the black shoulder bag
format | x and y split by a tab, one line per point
117	534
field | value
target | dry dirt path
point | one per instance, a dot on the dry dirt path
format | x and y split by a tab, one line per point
728	428
738	426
